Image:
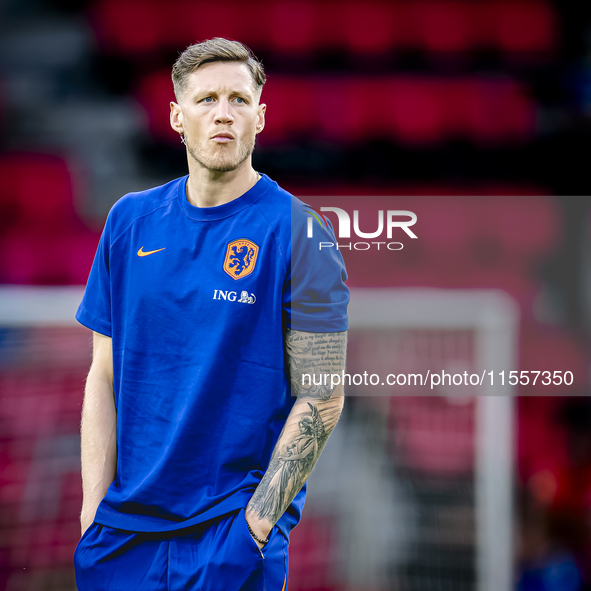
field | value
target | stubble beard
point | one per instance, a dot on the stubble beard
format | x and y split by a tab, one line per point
221	162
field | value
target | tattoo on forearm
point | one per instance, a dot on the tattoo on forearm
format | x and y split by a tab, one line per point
314	355
294	457
310	421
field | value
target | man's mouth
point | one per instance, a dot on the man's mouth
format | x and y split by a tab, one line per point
223	138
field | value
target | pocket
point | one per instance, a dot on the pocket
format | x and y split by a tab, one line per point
275	531
241	518
84	536
234	559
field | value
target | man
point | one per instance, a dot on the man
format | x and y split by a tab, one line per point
209	305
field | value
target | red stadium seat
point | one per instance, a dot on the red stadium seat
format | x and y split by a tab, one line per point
417	110
291	108
191	21
311	550
522	25
438	435
411	110
439	26
499	110
45	242
542	442
130	26
369	28
554	349
303	26
294	26
55	255
342	109
36	187
155	93
526	226
523	226
445	222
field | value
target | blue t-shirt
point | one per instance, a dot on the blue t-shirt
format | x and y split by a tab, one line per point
196	301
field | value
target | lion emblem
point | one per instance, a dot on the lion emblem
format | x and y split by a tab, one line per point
240	260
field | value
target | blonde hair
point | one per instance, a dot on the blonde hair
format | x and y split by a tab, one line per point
217	49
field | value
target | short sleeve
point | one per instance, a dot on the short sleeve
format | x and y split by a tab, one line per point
95	310
315	296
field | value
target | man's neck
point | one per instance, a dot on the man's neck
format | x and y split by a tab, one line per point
208	189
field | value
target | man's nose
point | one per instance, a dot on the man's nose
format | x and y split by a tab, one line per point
223	113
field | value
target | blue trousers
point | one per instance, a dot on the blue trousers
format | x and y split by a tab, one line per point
219	555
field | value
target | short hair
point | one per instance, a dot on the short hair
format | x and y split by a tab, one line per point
217	49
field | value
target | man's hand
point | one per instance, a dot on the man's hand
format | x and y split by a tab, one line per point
261	527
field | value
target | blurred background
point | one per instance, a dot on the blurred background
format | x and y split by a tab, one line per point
474	114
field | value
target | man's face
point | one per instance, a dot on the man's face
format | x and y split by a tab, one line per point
220	115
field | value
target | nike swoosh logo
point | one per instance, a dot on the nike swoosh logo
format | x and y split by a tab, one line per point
141	253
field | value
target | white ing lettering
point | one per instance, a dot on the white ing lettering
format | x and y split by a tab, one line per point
232	296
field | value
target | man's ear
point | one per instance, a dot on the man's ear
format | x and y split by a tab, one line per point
260	125
176	117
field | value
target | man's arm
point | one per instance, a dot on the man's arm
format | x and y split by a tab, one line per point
310	357
98	430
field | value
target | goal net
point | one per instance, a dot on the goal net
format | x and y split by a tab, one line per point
44	358
412	492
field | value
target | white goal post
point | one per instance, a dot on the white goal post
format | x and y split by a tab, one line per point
494	317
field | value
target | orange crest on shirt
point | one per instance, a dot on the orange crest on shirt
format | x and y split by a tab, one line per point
241	257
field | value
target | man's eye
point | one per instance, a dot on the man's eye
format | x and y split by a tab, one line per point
208	99
240	99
